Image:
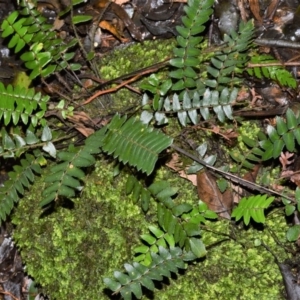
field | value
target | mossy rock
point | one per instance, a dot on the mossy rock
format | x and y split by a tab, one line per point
70	250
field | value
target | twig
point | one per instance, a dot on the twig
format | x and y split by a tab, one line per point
277	43
9	294
111	90
132	77
273	64
232	177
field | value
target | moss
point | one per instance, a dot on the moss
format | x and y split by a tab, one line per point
127	59
70	251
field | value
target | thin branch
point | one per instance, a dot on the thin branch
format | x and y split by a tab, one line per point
287	64
234	178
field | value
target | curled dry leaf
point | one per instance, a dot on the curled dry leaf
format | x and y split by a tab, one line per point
80	118
284	159
255	9
84	130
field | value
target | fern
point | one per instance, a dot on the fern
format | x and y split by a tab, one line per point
19	104
138	191
64	178
14	144
197	96
252	207
186	53
196	87
276	73
285	134
47	53
185	214
134	143
19	180
231	59
152	241
164	263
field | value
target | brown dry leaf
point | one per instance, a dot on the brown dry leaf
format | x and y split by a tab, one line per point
296	179
271	9
80	117
113	30
176	165
255	9
88	83
120	2
84	130
209	193
284	159
58	24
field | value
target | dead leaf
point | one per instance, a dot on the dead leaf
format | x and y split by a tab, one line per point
209	193
176	165
121	2
284	159
255	9
85	131
113	30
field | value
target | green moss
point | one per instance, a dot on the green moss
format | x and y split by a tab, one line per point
71	250
127	59
137	56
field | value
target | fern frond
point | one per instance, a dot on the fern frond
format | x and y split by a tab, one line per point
247	158
211	93
165	262
285	134
64	178
47	53
19	180
134	143
276	73
152	241
138	191
15	143
231	59
186	53
252	207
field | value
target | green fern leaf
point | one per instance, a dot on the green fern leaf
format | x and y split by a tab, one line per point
186	55
134	143
19	180
23	103
64	177
276	73
163	264
252	207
